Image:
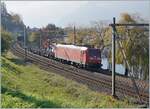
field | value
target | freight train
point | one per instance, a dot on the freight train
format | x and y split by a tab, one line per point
71	54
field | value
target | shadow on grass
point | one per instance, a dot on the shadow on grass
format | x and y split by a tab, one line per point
17	61
37	103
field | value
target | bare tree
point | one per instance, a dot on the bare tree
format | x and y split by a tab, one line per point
100	29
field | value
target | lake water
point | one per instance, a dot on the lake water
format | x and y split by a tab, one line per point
119	67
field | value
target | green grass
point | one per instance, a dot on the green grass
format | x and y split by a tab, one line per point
28	86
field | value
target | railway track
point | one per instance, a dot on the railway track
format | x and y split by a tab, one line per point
96	81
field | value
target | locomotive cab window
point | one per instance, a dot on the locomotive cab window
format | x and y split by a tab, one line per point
94	52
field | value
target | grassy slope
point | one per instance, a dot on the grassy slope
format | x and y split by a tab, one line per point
29	86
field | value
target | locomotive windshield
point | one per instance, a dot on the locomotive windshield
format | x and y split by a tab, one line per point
94	52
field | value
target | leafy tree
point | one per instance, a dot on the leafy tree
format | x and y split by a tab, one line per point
34	38
16	18
79	35
127	18
10	21
84	36
135	43
5	40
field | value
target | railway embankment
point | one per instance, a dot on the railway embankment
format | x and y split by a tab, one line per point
26	85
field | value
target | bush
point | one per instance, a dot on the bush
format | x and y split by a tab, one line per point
5	40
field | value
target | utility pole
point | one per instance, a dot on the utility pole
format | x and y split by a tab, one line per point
113	57
24	36
40	39
3	8
74	35
25	48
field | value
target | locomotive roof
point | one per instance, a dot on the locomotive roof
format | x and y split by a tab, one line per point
72	46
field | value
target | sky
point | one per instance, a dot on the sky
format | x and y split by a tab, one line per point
62	13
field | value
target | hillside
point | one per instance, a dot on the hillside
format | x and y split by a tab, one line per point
29	86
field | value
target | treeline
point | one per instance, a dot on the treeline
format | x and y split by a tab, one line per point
50	32
11	26
11	22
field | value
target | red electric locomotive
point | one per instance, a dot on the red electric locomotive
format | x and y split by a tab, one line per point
78	55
